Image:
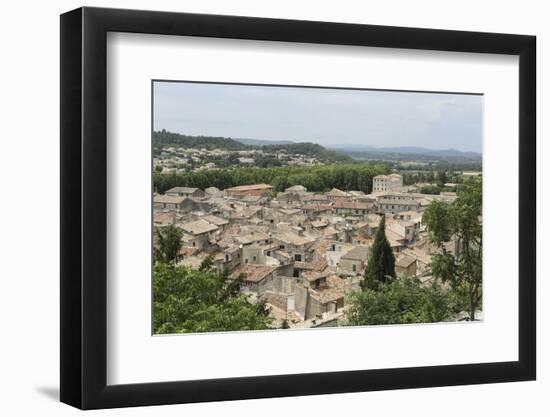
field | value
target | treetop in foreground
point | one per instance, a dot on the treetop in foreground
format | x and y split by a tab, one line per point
189	301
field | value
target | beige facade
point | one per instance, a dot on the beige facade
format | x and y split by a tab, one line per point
392	182
405	266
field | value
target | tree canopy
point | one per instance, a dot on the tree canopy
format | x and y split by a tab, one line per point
187	300
314	178
400	301
167	243
381	262
461	223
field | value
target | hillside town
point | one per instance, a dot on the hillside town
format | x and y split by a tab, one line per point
300	252
174	159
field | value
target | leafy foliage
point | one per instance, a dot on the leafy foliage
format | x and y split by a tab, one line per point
315	178
188	301
430	189
401	301
460	221
381	263
167	243
164	138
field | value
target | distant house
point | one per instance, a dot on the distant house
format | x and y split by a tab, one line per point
168	202
290	215
423	260
408	215
185	192
197	233
348	208
258	237
217	221
385	205
164	219
328	300
289	197
354	261
335	194
319	224
405	266
249	190
311	304
256	278
396	241
312	211
315	199
227	259
314	279
392	182
212	191
408	229
296	189
296	245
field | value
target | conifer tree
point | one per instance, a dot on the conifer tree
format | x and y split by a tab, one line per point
381	263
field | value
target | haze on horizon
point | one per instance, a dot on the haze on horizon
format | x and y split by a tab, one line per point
325	116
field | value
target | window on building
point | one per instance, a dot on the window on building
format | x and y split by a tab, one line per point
298	257
354	267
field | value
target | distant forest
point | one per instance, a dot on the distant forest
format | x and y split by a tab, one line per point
163	139
316	178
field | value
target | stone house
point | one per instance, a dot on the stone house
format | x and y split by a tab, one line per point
217	221
385	205
311	304
249	190
256	278
197	234
295	245
408	230
387	182
405	266
185	192
167	202
352	208
354	261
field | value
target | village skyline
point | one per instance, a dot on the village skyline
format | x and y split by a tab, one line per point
252	235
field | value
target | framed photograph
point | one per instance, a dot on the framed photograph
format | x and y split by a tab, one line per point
257	208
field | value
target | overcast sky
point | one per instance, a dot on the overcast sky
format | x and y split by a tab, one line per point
324	116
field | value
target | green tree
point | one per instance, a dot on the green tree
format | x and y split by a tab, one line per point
206	264
400	301
442	178
348	176
430	189
187	300
167	243
381	263
461	223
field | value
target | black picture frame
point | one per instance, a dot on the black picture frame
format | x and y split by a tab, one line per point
84	207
